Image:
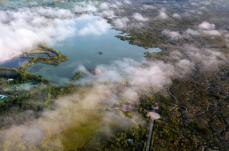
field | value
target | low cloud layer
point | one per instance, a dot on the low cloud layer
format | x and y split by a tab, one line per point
85	110
139	17
107	92
105	95
25	28
90	25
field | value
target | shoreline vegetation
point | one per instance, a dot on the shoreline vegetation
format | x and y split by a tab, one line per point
181	121
194	110
19	86
51	57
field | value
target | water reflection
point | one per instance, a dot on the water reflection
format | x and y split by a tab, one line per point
91	45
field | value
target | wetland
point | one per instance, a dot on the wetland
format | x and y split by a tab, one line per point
93	75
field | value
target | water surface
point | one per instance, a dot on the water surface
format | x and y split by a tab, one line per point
88	50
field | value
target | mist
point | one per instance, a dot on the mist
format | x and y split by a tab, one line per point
26	28
101	102
99	105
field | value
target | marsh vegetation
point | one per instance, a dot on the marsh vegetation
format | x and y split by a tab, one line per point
84	75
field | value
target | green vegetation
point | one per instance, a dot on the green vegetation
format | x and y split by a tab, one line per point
78	136
41	95
133	139
54	57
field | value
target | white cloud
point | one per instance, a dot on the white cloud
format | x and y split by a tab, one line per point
174	35
111	87
162	14
94	27
121	22
155	75
192	32
139	17
211	32
23	29
176	15
208	59
104	5
84	7
115	4
145	7
122	80
206	26
127	2
108	14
